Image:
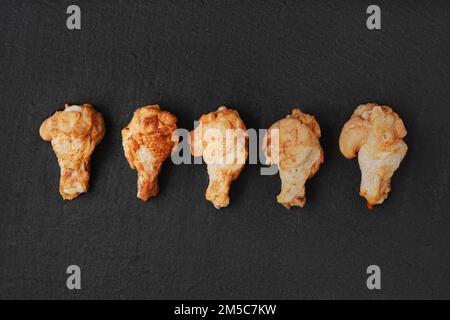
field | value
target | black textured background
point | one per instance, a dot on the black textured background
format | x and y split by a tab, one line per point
263	58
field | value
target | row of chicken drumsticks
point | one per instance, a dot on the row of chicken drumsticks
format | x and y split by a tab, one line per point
374	133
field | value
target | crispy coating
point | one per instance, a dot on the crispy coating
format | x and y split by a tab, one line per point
221	138
74	133
375	133
148	141
293	144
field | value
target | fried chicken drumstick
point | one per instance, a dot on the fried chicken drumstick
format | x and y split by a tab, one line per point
74	133
221	138
376	134
293	144
148	141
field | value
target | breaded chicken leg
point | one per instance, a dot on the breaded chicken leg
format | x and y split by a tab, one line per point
148	141
293	144
74	133
376	134
221	138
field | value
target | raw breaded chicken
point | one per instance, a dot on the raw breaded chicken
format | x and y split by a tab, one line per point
375	133
221	138
293	144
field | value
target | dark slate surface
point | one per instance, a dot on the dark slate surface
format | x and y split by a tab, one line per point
191	56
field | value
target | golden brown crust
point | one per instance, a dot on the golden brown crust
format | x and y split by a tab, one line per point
74	133
148	141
